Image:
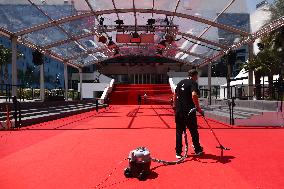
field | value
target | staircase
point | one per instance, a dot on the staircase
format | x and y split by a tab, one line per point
128	94
34	112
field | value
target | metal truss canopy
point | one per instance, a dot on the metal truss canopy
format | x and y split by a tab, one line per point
150	11
77	38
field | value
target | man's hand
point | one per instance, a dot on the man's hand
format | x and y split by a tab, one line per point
201	112
196	103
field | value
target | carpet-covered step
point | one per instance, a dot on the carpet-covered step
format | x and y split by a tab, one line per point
128	94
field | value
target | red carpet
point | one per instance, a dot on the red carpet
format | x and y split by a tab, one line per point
78	152
128	94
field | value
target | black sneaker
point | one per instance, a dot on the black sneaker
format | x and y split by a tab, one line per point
178	156
199	151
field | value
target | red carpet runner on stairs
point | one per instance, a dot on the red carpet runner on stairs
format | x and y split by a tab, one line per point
128	94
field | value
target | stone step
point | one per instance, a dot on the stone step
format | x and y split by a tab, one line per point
28	112
47	116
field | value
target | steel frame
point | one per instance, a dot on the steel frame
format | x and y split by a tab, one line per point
155	11
92	33
276	24
247	37
98	61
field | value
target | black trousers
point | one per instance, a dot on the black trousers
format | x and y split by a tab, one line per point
184	121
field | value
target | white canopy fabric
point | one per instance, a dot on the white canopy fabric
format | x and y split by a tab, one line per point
244	82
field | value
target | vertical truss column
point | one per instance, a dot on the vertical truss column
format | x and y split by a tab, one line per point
14	67
209	84
66	80
81	81
281	75
42	88
250	74
229	74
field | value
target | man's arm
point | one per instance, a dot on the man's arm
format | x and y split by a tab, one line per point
195	96
196	101
174	100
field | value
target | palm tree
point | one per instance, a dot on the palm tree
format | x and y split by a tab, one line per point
268	61
277	11
5	59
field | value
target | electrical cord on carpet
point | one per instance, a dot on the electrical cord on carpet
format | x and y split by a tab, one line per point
109	175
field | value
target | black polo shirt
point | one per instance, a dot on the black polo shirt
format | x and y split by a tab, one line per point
183	92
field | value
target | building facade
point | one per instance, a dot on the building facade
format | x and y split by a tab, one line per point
15	18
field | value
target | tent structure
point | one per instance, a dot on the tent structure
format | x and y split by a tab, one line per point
80	33
241	80
245	82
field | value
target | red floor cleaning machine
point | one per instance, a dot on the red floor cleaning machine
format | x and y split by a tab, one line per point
140	159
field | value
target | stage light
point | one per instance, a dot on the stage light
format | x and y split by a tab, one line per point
119	23
116	52
162	44
135	35
111	44
101	21
135	38
169	38
102	39
167	21
151	22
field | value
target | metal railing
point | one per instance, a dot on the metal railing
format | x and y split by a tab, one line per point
11	115
29	93
6	91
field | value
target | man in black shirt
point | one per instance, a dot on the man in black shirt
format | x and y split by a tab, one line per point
186	98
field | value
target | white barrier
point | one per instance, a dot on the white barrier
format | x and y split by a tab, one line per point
89	89
173	87
107	91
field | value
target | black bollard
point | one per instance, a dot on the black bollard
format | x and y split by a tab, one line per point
20	114
15	115
97	105
233	105
230	111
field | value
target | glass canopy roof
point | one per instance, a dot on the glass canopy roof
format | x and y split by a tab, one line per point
81	32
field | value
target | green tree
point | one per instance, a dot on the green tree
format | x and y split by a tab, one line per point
268	61
277	11
5	60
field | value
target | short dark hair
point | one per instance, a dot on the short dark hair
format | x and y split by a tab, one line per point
192	73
